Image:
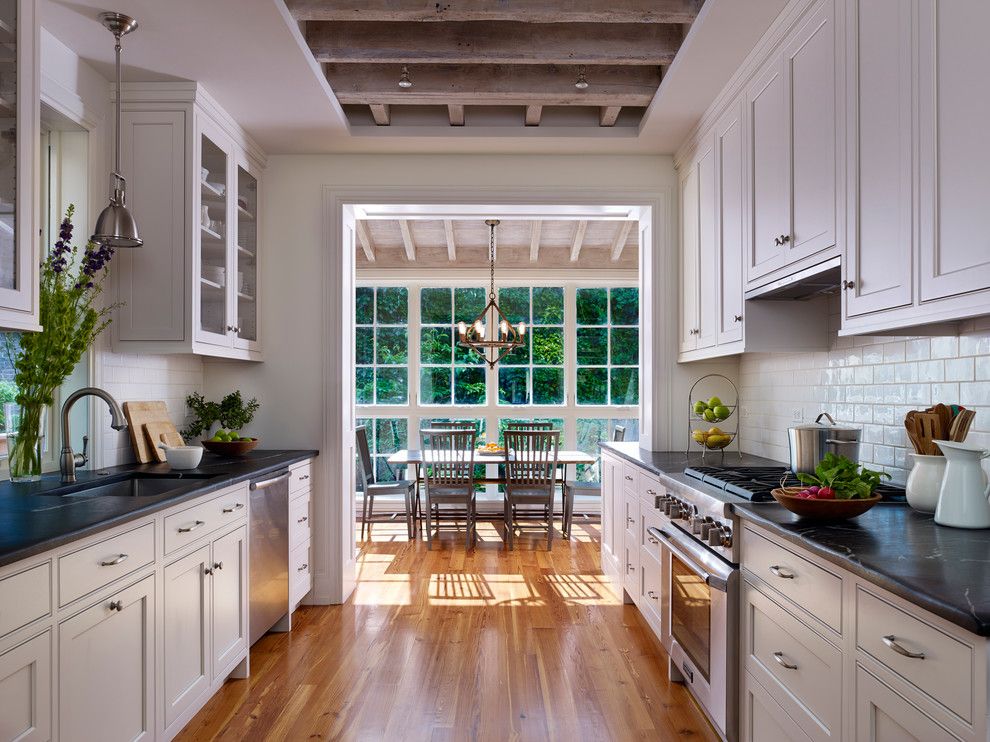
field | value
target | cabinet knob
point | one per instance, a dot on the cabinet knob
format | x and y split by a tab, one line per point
652	594
848	285
116	605
237	330
302	568
303	519
737	318
629	567
230	328
208	571
217	565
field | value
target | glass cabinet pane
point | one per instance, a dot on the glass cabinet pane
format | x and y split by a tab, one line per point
213	242
8	143
247	255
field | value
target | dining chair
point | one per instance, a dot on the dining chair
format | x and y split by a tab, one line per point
454	425
448	477
373	488
573	487
530	478
534	425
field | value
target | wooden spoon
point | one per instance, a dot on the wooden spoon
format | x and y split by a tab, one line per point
945	418
960	426
911	426
929	429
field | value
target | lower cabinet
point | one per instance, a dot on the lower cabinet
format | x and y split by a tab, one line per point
26	691
229	600
882	715
761	718
630	544
107	669
611	533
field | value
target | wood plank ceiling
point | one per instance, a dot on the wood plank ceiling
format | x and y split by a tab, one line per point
592	245
524	54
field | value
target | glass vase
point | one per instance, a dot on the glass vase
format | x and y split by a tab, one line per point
26	427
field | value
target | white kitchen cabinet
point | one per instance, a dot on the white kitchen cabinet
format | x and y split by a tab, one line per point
731	225
186	607
194	186
26	691
610	534
229	586
20	92
630	543
707	311
690	255
107	669
883	715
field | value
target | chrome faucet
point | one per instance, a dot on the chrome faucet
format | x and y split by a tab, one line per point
68	461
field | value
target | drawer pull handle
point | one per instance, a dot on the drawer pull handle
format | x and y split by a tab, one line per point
629	567
891	641
779	656
193	527
653	540
217	565
232	508
116	560
116	605
650	492
628	478
303	519
652	594
303	477
776	571
302	568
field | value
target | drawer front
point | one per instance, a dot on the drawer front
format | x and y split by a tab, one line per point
883	715
945	673
808	586
300	572
300	477
299	521
630	478
800	669
649	487
651	592
651	519
89	569
25	597
762	719
191	524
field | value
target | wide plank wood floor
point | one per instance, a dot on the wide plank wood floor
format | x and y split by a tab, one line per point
453	645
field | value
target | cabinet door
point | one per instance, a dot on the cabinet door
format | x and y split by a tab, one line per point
186	625
885	716
609	486
731	226
954	107
229	599
689	258
761	718
214	237
630	544
768	147
650	590
879	242
246	252
707	249
107	668
26	691
809	60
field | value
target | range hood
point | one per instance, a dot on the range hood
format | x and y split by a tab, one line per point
824	278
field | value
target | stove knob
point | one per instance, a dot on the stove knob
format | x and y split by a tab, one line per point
715	535
706	528
696	524
674	511
727	537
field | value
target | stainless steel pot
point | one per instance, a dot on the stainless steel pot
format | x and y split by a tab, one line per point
810	443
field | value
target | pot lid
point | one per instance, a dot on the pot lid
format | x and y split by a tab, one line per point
819	425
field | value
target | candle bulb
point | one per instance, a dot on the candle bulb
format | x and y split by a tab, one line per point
462	330
503	328
522	328
479	328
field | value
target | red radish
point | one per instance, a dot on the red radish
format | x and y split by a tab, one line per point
813	489
825	493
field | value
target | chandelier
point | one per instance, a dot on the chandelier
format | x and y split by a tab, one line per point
504	336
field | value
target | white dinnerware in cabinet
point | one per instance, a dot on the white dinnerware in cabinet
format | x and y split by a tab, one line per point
26	690
194	187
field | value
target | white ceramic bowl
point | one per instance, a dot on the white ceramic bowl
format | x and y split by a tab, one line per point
183	457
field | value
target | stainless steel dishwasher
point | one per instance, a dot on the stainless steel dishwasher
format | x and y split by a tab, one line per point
269	550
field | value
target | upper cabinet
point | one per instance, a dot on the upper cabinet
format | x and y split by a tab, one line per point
194	182
20	247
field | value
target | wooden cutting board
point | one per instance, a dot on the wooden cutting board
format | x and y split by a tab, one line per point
157	432
138	415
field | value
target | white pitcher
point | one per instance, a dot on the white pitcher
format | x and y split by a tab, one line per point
962	500
924	482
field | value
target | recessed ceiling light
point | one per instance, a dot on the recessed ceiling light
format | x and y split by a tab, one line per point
404	81
582	81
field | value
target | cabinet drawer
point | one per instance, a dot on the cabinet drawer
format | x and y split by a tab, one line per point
25	597
944	673
800	669
299	521
300	477
191	524
762	719
630	478
649	487
651	519
300	572
808	586
91	568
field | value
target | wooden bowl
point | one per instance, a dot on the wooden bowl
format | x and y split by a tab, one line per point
231	449
822	509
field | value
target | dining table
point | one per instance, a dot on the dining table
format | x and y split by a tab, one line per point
414	458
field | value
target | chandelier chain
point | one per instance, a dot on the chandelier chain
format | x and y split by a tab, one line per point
491	260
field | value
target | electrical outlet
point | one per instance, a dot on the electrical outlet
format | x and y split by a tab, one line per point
797	415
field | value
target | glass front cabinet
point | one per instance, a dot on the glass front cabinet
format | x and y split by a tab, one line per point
20	158
194	183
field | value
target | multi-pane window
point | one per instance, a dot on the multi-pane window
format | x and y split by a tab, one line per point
449	373
381	349
505	422
386	435
607	350
594	430
534	373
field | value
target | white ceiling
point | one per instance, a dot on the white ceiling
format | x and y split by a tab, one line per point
249	55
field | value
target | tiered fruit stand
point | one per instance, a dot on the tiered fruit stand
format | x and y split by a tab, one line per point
704	417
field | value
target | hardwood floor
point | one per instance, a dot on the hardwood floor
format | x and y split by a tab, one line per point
446	645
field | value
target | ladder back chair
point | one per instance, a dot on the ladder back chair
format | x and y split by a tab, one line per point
530	478
574	487
448	476
470	425
373	488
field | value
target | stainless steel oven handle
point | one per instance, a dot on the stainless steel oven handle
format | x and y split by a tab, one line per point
263	483
689	554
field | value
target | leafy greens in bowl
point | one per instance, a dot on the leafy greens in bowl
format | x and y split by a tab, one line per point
841	478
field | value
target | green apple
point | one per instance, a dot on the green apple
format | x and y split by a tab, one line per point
714	402
218	436
709	415
247	439
700	407
233	435
722	412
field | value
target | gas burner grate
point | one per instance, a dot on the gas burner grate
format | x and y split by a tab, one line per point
754	483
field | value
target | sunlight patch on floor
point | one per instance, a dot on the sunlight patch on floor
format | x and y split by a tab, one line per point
460	588
583	589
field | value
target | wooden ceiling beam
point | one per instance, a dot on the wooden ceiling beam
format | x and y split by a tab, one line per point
541	85
582	227
620	240
493	43
380	112
455	114
534	241
407	241
365	239
448	230
529	11
534	113
608	115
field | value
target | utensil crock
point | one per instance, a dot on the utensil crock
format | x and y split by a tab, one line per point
962	500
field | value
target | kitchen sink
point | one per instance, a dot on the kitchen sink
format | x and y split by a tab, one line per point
135	486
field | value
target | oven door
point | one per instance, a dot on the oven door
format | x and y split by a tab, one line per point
700	611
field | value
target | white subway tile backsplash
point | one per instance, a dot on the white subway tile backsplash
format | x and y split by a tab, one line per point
959	369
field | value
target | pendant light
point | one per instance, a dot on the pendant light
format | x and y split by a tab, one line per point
115	226
504	336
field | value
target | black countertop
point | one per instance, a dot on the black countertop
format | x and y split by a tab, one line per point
674	462
38	516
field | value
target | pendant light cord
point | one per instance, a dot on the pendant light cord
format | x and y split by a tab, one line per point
116	163
491	259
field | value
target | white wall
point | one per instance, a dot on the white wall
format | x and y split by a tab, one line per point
870	382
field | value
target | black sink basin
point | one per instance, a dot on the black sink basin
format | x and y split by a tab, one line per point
135	485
